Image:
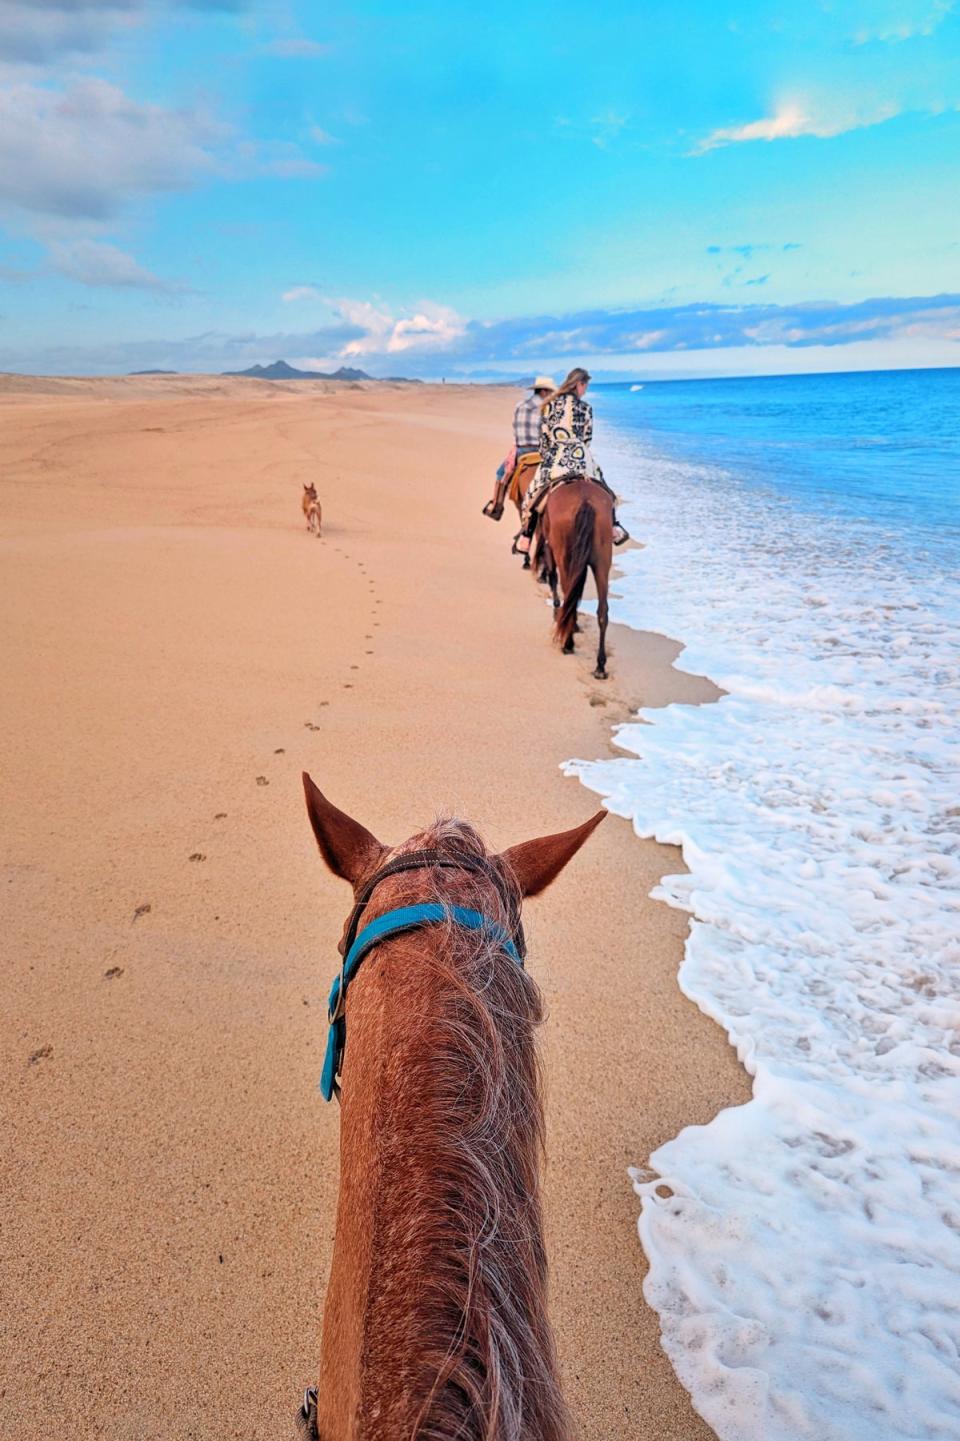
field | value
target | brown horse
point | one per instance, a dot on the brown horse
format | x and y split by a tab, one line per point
576	535
435	1324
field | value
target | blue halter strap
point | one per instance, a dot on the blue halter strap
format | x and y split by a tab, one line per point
394	923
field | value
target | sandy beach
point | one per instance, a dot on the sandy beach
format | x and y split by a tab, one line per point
176	650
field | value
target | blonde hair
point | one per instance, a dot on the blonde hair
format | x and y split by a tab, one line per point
575	378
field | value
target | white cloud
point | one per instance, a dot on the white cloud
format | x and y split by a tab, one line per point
433	327
73	159
34	32
792	120
95	262
271	157
80	152
322	137
645	339
546	341
903	20
374	324
735	336
607	128
300	292
373	329
313	362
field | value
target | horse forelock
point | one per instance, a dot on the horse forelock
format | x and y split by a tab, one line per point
476	1245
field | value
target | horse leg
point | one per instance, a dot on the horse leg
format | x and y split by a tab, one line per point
565	585
539	550
601	576
545	558
550	567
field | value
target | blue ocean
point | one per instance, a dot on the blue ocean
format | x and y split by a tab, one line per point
801	537
880	445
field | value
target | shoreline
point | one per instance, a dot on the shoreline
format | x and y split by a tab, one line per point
181	650
814	807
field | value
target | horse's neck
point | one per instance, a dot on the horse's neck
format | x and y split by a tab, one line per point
436	1302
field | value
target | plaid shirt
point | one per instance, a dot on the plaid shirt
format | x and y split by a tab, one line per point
526	423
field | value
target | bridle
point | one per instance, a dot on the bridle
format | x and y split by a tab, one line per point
356	943
426	860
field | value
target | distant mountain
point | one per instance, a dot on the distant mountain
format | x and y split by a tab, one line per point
280	370
153	372
492	377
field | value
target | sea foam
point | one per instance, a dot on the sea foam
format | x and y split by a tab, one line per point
804	1248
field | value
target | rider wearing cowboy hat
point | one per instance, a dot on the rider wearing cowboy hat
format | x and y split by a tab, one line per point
526	435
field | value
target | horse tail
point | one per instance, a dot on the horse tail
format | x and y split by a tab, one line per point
577	562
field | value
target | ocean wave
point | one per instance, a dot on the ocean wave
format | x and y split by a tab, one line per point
804	1248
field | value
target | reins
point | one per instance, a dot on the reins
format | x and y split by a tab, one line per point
354	947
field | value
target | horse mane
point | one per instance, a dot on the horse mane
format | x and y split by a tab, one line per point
479	1247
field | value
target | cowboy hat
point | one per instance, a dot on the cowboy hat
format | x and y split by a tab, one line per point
543	382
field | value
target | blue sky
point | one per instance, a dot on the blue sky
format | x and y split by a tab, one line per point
425	188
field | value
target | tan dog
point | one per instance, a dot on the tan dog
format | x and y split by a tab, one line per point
311	508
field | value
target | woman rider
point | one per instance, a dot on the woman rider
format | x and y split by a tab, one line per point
566	430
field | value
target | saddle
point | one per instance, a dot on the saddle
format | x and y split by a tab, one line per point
522	475
541	500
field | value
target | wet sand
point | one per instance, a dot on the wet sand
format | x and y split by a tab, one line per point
176	650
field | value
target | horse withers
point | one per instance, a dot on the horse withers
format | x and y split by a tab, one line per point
575	537
311	508
435	1324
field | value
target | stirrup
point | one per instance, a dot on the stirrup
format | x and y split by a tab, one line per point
307	1415
494	509
619	534
521	544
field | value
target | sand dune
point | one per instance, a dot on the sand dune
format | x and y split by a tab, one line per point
177	649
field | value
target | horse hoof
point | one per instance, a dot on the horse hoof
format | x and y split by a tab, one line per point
526	563
568	648
600	673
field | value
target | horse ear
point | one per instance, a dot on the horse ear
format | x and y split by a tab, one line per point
347	847
536	863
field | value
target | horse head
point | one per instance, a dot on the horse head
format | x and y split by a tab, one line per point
439	1328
